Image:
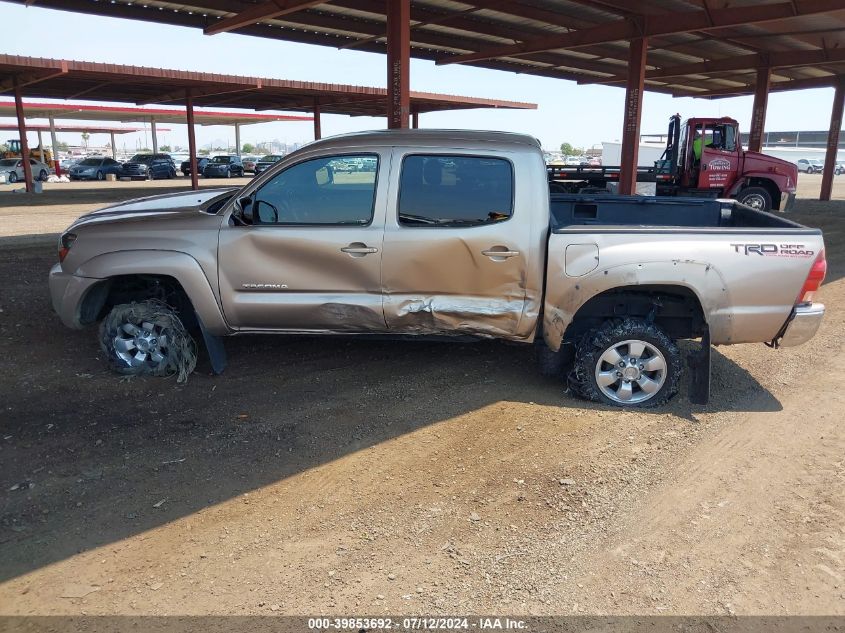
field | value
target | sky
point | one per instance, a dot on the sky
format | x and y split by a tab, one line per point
581	115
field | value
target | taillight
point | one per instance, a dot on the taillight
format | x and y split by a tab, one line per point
65	243
814	279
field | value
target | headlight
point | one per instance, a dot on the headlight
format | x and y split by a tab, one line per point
65	244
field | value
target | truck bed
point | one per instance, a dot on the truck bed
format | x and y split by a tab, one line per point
569	211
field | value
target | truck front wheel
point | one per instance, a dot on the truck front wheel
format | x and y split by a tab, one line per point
626	363
756	198
147	338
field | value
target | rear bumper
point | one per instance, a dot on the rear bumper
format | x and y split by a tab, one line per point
788	202
801	326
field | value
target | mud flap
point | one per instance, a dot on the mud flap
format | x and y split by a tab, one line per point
214	345
699	364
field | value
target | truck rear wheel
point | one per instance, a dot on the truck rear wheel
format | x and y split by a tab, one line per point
756	198
626	363
147	338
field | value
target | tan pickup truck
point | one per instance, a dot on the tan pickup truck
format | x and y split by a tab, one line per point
443	233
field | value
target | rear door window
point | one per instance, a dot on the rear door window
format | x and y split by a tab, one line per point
452	191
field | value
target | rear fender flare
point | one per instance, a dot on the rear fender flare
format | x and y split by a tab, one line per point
702	278
182	267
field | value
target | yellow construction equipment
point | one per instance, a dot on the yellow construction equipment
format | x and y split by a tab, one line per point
14	151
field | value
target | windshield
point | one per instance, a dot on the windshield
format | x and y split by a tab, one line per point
271	158
91	162
221	159
9	162
141	158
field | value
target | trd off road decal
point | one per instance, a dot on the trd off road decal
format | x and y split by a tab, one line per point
774	250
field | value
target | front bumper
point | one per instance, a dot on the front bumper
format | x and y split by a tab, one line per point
801	326
789	202
66	294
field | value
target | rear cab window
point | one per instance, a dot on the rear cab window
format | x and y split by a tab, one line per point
455	191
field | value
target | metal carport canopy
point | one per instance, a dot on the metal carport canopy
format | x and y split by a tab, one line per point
679	47
91	81
581	40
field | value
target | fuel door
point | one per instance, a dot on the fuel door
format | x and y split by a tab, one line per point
581	259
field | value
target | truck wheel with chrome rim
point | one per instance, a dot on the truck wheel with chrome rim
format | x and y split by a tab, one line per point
756	198
147	338
627	363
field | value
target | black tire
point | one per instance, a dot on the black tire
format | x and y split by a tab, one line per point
43	175
595	343
756	197
13	176
147	338
101	175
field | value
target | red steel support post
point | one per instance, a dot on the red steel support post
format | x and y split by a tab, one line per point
415	120
192	140
398	62
633	114
758	110
318	133
27	168
833	140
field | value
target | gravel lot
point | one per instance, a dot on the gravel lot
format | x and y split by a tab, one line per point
350	477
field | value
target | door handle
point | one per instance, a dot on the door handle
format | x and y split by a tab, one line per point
358	249
499	254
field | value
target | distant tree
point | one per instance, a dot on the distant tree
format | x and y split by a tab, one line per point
248	148
165	148
85	137
203	152
566	149
62	146
218	149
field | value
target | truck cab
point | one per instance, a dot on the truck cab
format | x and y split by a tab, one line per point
704	157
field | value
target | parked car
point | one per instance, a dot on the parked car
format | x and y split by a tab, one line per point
810	165
224	166
185	167
13	168
573	161
66	163
249	163
603	285
267	162
840	168
94	168
148	167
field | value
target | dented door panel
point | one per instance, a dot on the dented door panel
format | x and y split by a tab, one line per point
482	280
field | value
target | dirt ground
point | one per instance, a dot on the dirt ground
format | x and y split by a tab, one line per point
356	477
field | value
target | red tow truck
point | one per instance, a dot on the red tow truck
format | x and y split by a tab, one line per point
716	166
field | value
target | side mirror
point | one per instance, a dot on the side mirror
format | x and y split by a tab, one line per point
244	210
